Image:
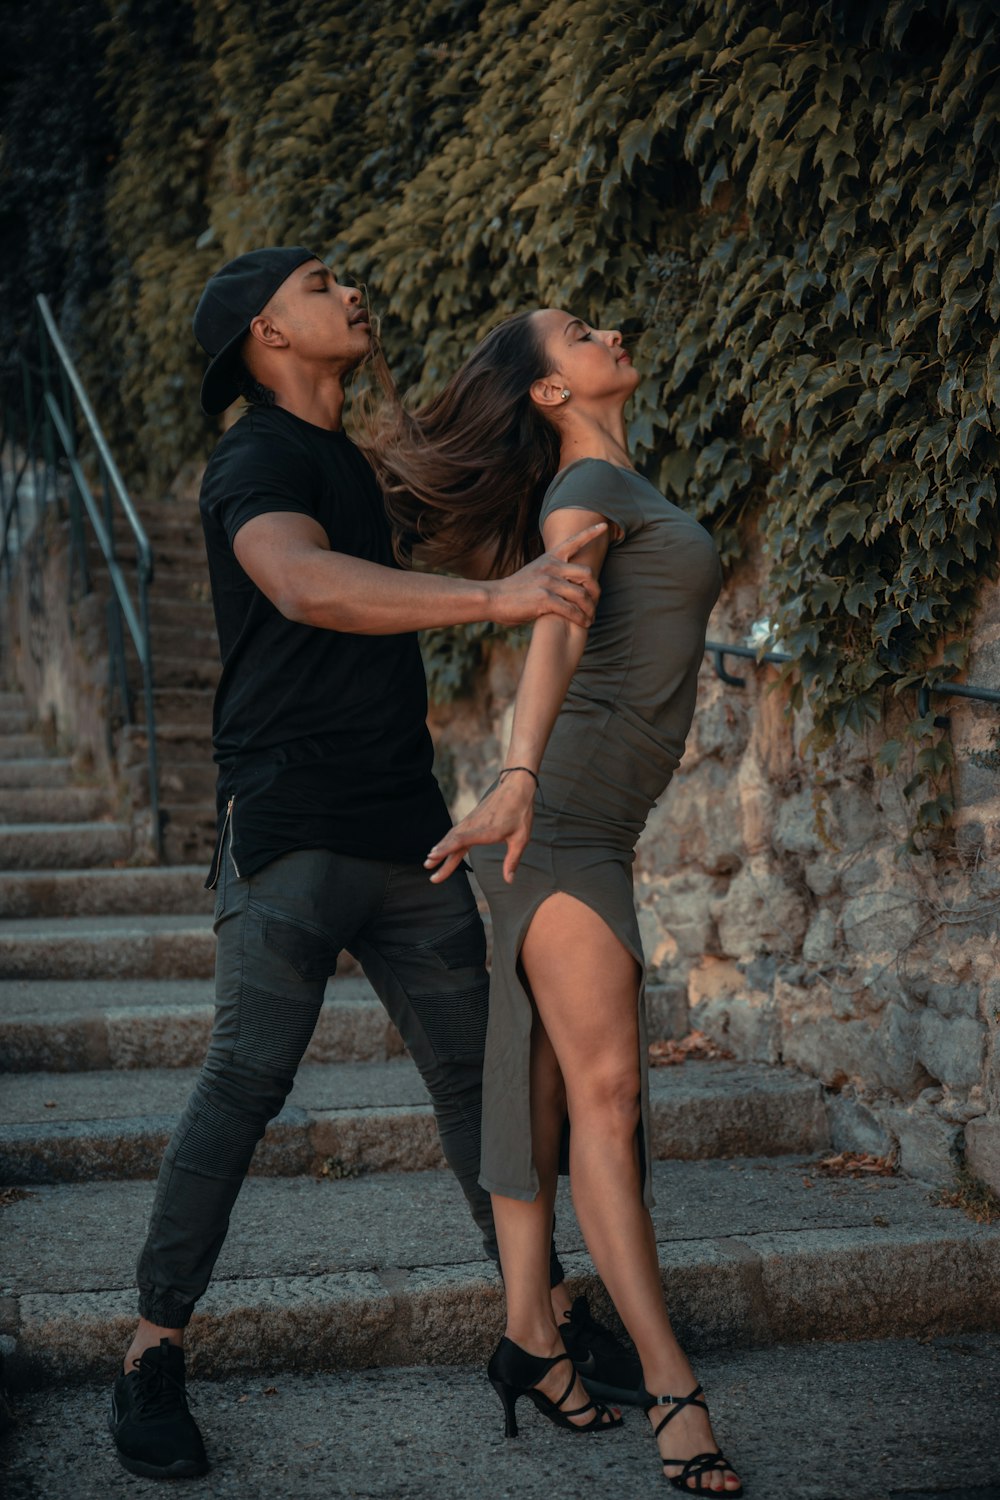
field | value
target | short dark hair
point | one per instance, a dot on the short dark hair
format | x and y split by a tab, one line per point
253	393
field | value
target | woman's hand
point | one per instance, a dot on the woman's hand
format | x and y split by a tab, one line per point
503	817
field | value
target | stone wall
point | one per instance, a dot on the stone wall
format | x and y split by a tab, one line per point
781	916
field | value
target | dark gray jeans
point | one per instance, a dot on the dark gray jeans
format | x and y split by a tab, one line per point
280	931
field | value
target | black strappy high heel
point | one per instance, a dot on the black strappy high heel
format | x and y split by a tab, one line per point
513	1372
701	1463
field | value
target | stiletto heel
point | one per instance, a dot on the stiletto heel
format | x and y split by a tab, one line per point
513	1372
701	1463
508	1400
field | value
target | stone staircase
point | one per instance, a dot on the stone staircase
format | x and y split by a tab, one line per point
185	673
351	1247
349	1226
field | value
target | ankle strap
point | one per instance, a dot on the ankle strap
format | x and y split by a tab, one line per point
677	1402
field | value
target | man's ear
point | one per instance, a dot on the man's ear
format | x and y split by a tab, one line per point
266	332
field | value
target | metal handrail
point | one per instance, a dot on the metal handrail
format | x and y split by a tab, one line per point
53	412
719	650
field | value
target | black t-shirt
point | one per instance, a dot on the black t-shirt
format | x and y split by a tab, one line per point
320	735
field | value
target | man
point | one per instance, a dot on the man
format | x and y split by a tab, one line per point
327	804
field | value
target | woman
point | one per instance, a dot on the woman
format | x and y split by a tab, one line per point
530	434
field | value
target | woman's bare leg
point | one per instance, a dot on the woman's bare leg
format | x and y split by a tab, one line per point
524	1230
584	984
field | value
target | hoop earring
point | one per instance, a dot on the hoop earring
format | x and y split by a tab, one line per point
564	395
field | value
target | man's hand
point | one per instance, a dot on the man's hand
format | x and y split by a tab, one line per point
503	817
552	584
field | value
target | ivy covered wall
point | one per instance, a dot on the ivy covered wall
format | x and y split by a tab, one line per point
795	210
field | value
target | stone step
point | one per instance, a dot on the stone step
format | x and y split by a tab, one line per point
196	670
66	1025
189	832
31	772
14	721
64	804
366	1117
21	747
12	701
193	589
182	706
173	610
174	743
72	1026
172	555
132	947
940	1442
171	640
389	1269
76	846
180	781
124	892
69	1127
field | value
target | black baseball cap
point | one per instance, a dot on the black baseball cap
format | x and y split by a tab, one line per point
232	298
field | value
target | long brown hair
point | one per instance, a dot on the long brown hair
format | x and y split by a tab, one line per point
468	471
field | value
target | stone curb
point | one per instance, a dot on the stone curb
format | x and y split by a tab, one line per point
724	1293
46	846
149	891
723	1112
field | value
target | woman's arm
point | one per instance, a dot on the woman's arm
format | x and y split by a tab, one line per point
505	815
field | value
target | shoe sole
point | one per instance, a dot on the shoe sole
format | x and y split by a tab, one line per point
183	1468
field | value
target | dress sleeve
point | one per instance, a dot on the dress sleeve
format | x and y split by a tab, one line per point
597	486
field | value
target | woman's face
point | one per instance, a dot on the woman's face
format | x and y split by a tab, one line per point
592	363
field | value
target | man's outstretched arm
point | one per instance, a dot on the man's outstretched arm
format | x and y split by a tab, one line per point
288	557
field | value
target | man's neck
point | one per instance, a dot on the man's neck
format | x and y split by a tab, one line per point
319	402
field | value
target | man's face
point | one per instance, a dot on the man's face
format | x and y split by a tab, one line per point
321	319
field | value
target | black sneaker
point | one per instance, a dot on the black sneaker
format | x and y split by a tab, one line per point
607	1368
155	1434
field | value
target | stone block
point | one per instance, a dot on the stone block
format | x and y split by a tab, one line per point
881	921
820	942
667	1010
696	822
820	1035
899	1067
859	876
795	826
951	1048
822	875
982	1149
726	1007
675	917
854	814
853	1126
719	728
950	999
929	1147
760	913
758	803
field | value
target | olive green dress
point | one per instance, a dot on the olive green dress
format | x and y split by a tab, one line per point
615	745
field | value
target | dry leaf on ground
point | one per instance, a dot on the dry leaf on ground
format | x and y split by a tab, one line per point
857	1164
696	1046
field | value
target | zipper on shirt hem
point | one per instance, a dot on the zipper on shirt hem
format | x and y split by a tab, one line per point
226	828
